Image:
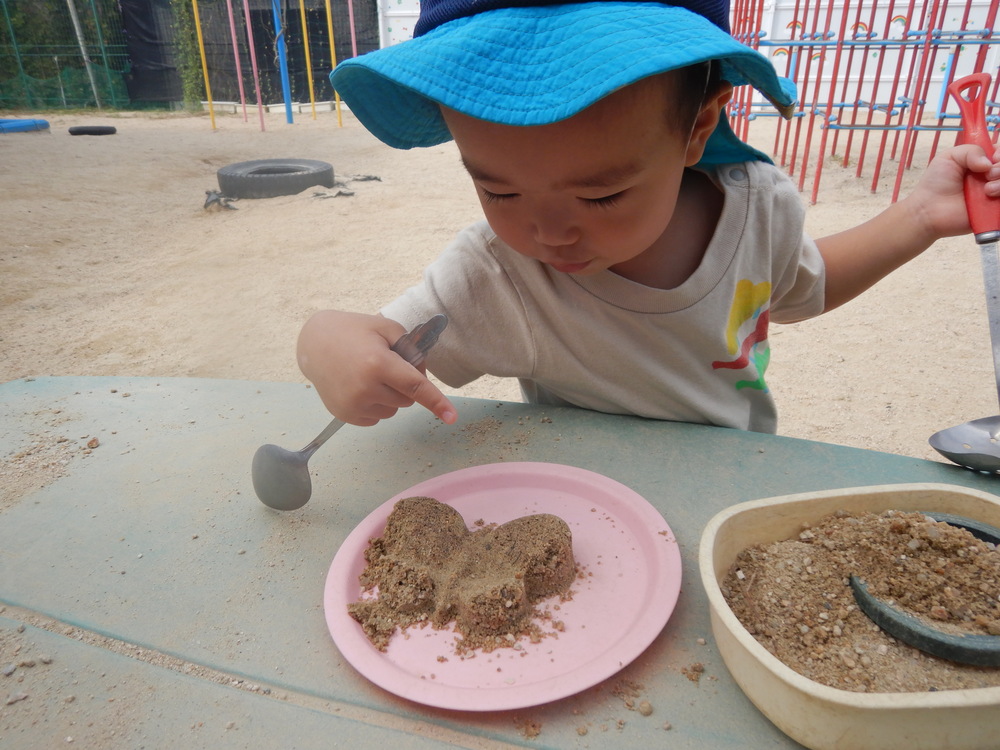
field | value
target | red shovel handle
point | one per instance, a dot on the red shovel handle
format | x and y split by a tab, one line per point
984	212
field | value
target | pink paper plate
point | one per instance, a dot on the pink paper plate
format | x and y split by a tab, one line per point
625	547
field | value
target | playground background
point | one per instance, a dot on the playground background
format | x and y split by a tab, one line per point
110	265
871	76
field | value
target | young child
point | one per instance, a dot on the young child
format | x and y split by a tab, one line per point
634	250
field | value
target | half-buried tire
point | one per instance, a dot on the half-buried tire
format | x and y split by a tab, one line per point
93	130
268	178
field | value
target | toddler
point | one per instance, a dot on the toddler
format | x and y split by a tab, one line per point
634	251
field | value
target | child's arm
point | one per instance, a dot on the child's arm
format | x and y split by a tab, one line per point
857	258
358	377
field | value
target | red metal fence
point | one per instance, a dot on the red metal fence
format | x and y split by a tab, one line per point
871	78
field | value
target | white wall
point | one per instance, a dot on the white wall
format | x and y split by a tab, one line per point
397	18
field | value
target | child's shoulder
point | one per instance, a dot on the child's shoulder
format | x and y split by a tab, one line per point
752	173
760	200
764	183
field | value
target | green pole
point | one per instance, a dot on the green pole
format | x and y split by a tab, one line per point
104	54
17	55
83	51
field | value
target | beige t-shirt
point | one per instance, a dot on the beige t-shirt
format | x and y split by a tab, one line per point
697	353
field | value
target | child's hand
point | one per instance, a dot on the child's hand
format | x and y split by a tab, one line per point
358	377
938	201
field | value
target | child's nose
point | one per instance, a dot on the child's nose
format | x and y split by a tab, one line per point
555	228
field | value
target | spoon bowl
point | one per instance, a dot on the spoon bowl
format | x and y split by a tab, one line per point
974	445
281	477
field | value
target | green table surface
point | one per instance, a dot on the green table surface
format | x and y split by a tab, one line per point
174	609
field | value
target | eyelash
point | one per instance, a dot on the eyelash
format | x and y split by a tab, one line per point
608	201
495	197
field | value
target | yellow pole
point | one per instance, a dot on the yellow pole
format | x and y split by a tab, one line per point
333	61
204	63
309	69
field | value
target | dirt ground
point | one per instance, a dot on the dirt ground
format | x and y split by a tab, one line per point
110	265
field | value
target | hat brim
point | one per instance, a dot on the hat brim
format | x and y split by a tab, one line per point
541	64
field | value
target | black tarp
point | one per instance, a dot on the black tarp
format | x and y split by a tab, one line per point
149	33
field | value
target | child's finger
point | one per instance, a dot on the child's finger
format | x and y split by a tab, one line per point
439	406
973	158
416	387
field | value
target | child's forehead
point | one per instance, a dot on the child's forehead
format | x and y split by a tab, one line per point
603	146
591	172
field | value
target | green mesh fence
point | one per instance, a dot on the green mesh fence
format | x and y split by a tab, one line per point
58	54
69	88
71	54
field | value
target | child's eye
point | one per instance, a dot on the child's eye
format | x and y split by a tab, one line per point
491	197
606	201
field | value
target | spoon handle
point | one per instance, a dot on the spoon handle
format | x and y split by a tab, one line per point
412	347
971	93
325	435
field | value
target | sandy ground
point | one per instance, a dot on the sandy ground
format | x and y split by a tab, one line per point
110	265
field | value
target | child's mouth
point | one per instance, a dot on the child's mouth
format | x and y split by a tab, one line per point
569	267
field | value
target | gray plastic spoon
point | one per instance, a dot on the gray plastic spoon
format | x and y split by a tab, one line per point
281	477
978	650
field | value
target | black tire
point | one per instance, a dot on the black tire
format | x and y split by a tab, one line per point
268	178
92	130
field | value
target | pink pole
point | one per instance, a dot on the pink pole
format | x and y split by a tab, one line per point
354	33
253	61
236	57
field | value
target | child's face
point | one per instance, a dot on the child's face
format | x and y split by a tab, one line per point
588	193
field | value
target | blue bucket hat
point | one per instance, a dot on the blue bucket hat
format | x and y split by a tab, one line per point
535	62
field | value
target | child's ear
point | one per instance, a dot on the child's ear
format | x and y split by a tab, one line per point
708	118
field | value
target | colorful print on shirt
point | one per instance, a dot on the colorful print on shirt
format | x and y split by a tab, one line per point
748	317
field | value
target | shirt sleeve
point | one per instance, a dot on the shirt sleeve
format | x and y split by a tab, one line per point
798	272
477	290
